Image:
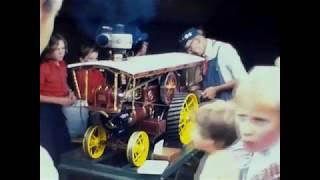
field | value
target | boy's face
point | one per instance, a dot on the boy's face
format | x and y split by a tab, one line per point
259	126
48	11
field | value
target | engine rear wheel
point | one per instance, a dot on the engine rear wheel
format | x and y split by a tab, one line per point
181	117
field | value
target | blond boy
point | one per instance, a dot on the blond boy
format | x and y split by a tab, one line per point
257	100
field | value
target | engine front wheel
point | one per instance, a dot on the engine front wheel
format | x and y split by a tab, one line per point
138	148
94	141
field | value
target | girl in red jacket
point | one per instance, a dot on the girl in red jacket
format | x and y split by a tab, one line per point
54	94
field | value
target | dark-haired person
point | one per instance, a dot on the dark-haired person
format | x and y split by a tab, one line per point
88	80
215	131
95	78
140	42
54	94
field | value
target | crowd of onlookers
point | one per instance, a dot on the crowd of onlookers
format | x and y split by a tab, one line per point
238	127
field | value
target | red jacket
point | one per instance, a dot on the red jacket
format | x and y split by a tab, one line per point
53	78
95	80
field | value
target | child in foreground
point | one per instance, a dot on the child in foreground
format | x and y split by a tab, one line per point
257	101
215	130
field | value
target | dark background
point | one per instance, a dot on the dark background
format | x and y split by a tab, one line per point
251	26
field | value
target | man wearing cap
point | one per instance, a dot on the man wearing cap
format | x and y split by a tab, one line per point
222	68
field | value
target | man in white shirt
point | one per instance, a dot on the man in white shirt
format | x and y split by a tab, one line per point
257	100
222	69
48	11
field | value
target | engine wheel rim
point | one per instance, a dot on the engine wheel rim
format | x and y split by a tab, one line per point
138	148
187	118
84	142
94	142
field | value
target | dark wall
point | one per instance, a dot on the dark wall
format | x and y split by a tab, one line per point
252	27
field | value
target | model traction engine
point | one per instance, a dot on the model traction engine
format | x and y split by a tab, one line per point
128	116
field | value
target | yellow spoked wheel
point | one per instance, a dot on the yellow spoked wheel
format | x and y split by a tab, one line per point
187	118
138	148
181	117
94	141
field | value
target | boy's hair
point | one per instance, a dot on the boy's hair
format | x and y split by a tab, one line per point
262	86
216	121
87	49
53	42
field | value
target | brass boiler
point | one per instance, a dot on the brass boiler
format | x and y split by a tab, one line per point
104	98
139	114
150	96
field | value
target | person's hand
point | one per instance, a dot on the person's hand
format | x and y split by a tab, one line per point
68	100
198	93
65	101
72	97
209	93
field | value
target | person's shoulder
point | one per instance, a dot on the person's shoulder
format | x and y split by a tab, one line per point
220	165
63	64
275	153
96	72
226	46
221	155
44	65
220	160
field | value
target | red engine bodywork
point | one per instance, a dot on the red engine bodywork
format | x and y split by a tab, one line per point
104	98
